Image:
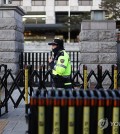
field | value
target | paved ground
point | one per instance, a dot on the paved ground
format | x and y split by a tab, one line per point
15	118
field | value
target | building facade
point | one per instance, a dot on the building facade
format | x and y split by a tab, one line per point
46	19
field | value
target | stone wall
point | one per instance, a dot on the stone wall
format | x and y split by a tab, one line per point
98	44
41	47
11	36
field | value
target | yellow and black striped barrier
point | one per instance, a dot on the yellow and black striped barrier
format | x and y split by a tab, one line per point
26	89
85	77
75	112
115	77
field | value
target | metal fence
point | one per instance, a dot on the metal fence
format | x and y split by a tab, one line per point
39	61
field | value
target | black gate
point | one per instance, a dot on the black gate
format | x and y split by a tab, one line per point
39	61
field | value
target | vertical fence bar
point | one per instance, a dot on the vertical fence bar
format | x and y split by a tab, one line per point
112	76
47	64
115	77
77	64
29	58
73	63
36	66
43	67
85	77
26	89
6	90
21	60
99	76
25	58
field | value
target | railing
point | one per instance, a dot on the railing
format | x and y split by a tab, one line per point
40	61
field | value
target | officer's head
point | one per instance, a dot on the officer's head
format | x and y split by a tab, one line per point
57	44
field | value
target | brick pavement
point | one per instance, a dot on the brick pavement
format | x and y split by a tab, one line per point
15	119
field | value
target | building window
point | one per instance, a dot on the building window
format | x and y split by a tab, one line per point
61	17
7	1
61	2
17	2
85	2
34	18
38	2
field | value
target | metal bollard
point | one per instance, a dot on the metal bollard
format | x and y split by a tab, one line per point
56	113
63	114
117	92
108	111
85	77
86	112
41	113
115	112
71	113
100	104
115	77
33	119
93	111
49	112
78	112
26	89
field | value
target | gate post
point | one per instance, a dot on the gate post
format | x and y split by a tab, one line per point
85	77
26	89
11	39
115	77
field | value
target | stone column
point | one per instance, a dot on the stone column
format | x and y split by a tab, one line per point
50	13
98	44
11	36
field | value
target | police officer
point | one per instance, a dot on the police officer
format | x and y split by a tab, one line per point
60	65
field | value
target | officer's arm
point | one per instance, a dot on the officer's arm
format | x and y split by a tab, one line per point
61	65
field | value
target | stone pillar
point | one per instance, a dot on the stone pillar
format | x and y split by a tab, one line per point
50	12
98	44
11	36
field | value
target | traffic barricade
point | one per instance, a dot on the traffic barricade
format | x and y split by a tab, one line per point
56	113
64	113
100	110
108	111
93	112
78	112
49	112
41	113
115	113
33	116
86	112
71	113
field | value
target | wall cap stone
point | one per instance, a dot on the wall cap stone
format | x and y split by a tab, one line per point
16	8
